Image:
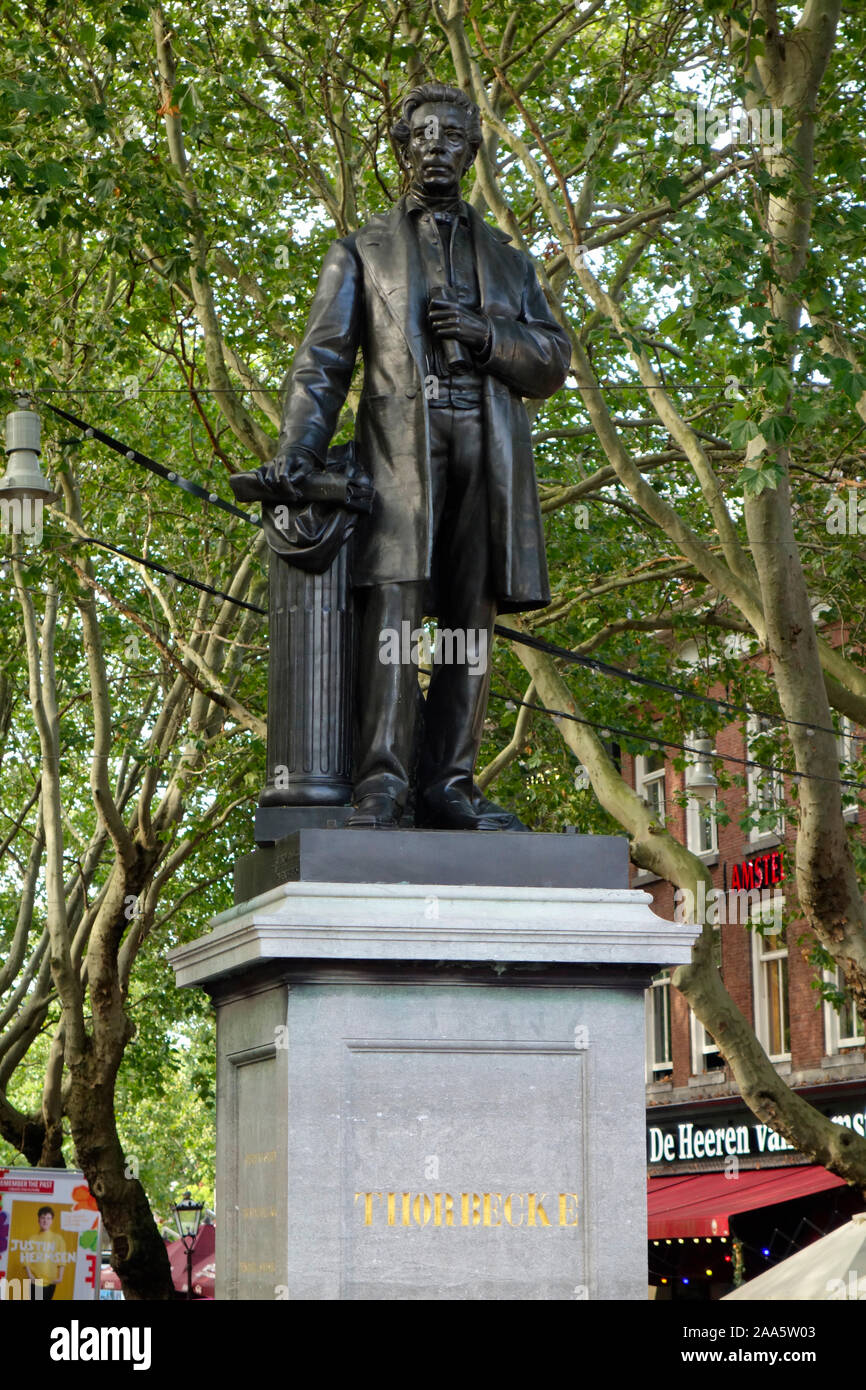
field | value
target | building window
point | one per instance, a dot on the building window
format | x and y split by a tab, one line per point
764	789
701	830
705	1051
772	1025
650	782
658	1028
845	742
843	1027
847	751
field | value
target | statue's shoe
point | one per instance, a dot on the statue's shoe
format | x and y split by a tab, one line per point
376	811
507	819
450	809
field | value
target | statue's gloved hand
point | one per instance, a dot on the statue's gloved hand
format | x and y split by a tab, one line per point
284	474
451	320
360	494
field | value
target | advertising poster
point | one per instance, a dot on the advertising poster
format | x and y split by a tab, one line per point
49	1235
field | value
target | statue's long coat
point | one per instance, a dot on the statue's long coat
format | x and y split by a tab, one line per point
372	295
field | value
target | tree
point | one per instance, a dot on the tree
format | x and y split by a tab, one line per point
164	1095
170	178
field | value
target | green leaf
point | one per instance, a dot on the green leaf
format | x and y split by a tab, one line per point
820	302
96	117
671	187
776	428
756	480
52	173
103	189
809	410
189	101
741	432
852	382
756	314
775	381
731	288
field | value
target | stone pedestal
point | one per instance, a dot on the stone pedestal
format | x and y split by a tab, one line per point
433	1091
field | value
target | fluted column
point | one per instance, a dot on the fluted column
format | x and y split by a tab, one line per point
310	679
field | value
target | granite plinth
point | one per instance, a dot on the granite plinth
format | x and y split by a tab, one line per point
432	1091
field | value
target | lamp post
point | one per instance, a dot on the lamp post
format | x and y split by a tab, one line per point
24	478
24	489
187	1215
701	781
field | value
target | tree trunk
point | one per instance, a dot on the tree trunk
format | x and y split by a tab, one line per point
138	1255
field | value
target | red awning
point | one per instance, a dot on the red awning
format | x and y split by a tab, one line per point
202	1263
701	1204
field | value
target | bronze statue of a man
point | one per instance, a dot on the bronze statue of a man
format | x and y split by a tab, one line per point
454	331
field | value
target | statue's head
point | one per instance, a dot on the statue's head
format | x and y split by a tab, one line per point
438	135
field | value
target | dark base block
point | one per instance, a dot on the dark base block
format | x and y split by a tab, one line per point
508	859
273	823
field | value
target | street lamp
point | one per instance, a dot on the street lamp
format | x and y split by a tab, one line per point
701	782
187	1215
24	478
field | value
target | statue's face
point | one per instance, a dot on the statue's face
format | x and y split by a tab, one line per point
438	152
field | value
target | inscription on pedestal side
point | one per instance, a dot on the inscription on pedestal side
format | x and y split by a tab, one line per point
258	1194
499	1126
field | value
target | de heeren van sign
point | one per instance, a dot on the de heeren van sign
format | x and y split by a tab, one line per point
686	1140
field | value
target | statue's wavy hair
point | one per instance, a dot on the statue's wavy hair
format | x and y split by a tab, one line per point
436	92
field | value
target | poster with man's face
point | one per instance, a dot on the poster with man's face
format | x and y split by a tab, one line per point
49	1236
39	1249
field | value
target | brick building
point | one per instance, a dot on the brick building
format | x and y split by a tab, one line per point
727	1196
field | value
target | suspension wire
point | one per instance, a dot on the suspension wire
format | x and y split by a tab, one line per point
605	668
173	574
144	461
656	741
510	634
